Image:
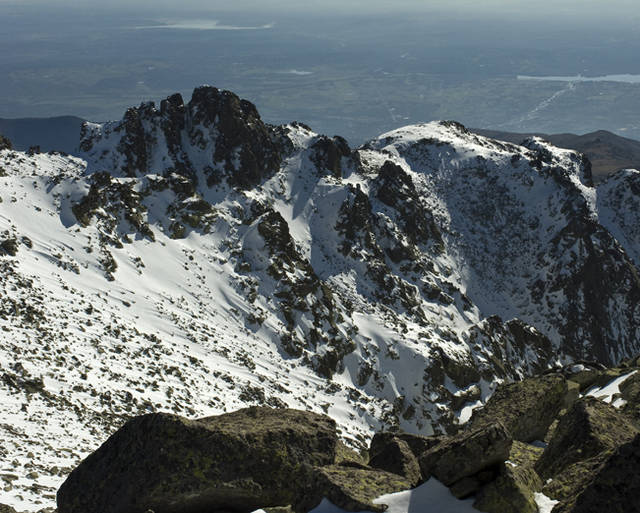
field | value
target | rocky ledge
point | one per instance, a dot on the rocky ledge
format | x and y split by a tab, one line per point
571	437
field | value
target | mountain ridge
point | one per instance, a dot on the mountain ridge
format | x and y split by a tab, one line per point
197	260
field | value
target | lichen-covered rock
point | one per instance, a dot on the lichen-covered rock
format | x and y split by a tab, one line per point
512	491
527	408
466	454
417	443
347	455
240	461
517	481
614	486
350	488
589	428
630	393
394	455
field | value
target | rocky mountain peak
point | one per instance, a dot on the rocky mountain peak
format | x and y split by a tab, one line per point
216	136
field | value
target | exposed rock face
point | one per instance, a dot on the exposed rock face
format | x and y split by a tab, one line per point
527	408
619	200
240	461
395	188
327	154
589	294
466	454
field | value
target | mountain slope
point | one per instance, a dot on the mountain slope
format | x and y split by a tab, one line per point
196	260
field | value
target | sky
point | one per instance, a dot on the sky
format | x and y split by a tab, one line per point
623	12
490	7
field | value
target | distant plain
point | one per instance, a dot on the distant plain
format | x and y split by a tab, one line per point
358	74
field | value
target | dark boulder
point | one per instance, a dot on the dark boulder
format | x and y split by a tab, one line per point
394	455
514	487
590	428
630	393
417	443
9	246
242	461
527	408
466	454
614	486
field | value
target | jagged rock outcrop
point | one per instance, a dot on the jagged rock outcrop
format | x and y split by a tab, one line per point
327	154
215	136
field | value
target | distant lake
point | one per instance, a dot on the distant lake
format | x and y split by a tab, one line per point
202	25
628	79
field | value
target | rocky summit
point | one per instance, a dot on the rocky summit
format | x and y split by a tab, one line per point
193	260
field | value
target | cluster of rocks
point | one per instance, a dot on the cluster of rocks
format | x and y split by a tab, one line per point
540	435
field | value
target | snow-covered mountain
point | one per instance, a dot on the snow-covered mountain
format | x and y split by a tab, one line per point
195	260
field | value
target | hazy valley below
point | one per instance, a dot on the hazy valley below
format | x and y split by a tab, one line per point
355	73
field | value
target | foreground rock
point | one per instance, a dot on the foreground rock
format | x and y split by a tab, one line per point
241	461
515	485
527	408
393	454
614	487
467	454
352	488
589	429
